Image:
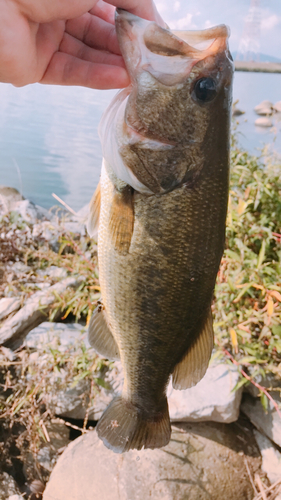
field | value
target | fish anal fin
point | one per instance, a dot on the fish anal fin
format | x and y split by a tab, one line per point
100	336
192	368
94	214
122	427
121	219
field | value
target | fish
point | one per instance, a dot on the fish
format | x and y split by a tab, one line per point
159	211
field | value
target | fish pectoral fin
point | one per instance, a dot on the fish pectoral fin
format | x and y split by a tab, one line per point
192	368
121	219
100	336
94	215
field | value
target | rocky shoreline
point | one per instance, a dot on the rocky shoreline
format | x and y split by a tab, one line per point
224	445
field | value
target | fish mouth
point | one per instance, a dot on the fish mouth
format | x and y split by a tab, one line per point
168	56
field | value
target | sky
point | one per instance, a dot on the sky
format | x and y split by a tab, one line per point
194	14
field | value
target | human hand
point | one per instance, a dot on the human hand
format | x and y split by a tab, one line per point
65	42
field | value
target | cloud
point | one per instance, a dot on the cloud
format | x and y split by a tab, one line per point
177	6
208	24
268	23
184	23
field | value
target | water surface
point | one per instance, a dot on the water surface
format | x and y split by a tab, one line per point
49	141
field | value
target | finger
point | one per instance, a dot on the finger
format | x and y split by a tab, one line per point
46	11
94	32
145	9
74	47
65	69
104	11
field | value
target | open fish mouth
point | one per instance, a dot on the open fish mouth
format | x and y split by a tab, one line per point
167	55
175	76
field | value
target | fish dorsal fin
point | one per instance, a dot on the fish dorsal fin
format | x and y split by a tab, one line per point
100	336
192	368
94	214
121	219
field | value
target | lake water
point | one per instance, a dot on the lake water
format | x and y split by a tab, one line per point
49	141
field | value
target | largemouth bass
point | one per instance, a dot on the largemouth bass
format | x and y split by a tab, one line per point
160	209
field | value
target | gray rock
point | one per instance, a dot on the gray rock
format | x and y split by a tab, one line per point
74	228
15	329
269	423
269	381
211	399
58	435
271	457
8	486
63	335
8	306
31	212
277	107
263	122
8	197
203	461
52	272
48	231
237	112
264	108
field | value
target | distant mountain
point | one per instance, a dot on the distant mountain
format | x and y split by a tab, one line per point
262	58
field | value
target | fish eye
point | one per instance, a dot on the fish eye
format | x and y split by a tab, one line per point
205	89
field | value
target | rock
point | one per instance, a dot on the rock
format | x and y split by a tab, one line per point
15	329
263	122
8	306
58	435
264	108
271	457
8	197
8	487
203	461
31	212
237	112
74	228
269	423
269	381
52	272
63	335
211	399
73	402
277	107
48	231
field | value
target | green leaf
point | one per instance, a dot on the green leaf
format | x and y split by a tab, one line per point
243	381
276	330
261	254
264	401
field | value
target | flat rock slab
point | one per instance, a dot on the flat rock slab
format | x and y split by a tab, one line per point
269	423
202	462
212	398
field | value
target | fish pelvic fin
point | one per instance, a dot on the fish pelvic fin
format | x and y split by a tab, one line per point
94	215
121	219
100	336
192	368
122	427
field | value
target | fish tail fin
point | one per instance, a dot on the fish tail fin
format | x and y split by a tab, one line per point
122	427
